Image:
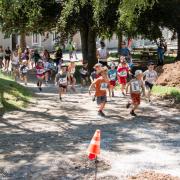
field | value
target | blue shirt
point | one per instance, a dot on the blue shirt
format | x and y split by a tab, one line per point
124	52
112	74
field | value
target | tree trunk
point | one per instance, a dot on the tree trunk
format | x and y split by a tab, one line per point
92	59
178	50
23	41
120	39
88	42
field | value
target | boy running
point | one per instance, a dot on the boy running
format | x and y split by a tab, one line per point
122	71
40	74
23	71
150	78
136	85
61	80
112	73
84	74
101	85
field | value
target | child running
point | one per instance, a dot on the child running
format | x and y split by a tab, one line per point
61	80
84	74
23	71
95	74
122	71
112	73
40	74
101	85
71	72
15	64
136	85
150	78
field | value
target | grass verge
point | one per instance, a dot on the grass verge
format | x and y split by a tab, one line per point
167	92
13	96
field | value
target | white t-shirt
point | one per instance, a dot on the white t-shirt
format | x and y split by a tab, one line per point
15	60
150	76
102	53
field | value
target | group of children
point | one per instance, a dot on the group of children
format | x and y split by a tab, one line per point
134	84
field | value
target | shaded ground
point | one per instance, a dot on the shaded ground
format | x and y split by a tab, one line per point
49	139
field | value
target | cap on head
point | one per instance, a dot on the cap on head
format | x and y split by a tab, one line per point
150	63
40	61
98	65
63	65
138	72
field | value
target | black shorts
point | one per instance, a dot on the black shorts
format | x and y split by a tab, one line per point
7	58
101	99
148	85
84	76
63	86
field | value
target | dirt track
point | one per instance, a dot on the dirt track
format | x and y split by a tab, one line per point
49	139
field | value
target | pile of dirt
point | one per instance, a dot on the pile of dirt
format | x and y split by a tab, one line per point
169	74
151	175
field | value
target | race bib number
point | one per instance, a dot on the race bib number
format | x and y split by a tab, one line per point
104	86
63	80
40	71
24	70
113	76
123	73
83	72
135	86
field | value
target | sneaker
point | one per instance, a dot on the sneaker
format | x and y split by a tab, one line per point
60	98
100	113
40	89
128	105
123	94
25	84
133	113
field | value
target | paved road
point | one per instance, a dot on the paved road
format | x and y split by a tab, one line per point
49	139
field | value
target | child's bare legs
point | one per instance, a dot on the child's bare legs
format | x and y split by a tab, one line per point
46	77
73	83
25	80
123	86
102	106
60	93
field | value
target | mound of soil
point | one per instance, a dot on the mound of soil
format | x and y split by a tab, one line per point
169	74
151	175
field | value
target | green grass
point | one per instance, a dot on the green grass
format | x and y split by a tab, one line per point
165	91
12	95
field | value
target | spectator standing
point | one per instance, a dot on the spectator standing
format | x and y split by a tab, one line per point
7	58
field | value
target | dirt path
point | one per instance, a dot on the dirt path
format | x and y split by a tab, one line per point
49	139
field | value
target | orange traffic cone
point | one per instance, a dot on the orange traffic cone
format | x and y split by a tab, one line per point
94	147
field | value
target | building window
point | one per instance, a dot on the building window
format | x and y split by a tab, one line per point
35	38
54	37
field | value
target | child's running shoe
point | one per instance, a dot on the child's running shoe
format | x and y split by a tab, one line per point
128	105
133	113
60	98
40	89
100	113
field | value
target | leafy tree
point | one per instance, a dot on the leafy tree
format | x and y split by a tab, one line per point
26	16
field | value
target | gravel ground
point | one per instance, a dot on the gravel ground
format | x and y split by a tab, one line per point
49	139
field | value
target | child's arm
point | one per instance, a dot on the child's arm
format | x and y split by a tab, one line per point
92	86
143	88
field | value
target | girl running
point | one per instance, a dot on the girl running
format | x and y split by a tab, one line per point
15	64
71	72
23	71
47	68
40	74
112	73
101	85
61	80
122	71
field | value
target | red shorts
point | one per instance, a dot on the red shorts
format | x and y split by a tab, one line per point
136	98
113	83
40	76
122	80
